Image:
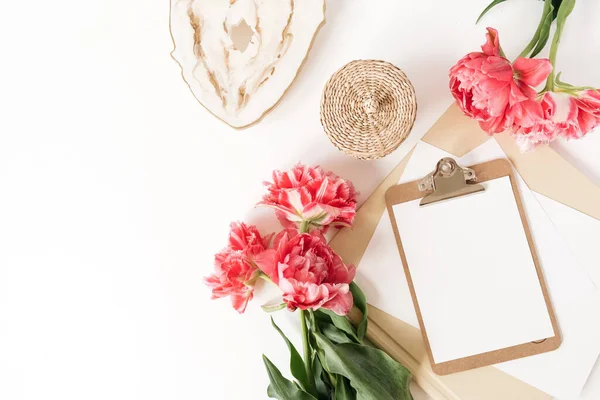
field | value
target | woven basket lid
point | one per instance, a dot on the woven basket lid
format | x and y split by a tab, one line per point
368	108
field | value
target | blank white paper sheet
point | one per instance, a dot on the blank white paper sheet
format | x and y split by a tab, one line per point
477	287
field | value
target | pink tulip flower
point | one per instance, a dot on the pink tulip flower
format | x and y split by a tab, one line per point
308	272
564	114
235	268
309	195
491	90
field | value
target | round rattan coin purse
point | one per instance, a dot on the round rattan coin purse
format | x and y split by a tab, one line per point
368	108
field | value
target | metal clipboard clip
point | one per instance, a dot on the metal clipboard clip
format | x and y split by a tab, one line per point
449	180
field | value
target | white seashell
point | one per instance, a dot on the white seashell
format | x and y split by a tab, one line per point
239	56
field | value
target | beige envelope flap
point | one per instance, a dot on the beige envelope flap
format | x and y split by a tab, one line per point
545	172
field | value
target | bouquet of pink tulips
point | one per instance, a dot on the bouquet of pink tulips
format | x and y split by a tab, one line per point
315	283
502	95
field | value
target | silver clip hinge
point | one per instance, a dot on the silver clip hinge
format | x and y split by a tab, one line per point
449	180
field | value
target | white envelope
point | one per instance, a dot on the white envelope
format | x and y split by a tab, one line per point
562	373
581	232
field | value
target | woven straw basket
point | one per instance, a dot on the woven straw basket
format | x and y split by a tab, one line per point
368	108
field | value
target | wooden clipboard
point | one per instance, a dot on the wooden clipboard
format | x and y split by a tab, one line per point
457	134
453	185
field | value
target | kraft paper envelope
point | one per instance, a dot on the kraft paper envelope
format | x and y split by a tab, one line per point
545	172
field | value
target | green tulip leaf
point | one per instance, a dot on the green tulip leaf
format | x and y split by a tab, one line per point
488	8
270	308
282	388
341	323
343	390
334	334
371	372
543	33
555	5
360	301
322	383
296	363
321	317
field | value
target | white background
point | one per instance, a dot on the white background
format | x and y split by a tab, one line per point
117	187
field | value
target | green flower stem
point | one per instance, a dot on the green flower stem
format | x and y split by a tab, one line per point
566	7
305	340
553	53
304	226
313	320
536	37
307	355
266	278
501	51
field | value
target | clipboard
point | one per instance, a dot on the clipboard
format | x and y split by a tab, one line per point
457	342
